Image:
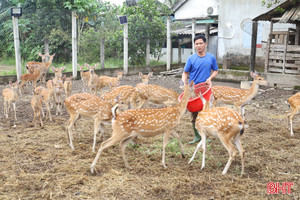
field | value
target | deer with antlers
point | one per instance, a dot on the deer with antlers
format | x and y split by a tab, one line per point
43	66
36	105
10	96
26	78
146	123
85	76
88	105
294	102
156	94
223	122
238	97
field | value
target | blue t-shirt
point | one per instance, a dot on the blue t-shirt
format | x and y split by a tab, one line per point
199	68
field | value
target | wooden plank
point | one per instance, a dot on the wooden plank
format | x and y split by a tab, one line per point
280	64
285	48
293	48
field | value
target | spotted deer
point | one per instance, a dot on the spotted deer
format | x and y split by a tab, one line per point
68	85
111	81
58	88
47	95
94	82
43	66
225	123
238	97
294	102
85	76
31	65
27	78
147	122
126	94
156	94
87	105
145	78
10	96
36	105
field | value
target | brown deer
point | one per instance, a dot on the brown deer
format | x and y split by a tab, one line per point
85	77
225	123
111	81
126	94
10	96
47	97
58	88
68	85
145	78
36	105
238	97
94	82
31	65
146	123
294	102
156	94
26	78
87	105
43	66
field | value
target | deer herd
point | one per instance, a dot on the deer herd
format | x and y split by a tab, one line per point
126	108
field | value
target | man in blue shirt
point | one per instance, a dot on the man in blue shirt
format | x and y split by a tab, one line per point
201	67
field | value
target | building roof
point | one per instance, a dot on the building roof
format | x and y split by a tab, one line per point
290	15
188	31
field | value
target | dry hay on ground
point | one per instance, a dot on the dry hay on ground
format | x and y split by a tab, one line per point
37	163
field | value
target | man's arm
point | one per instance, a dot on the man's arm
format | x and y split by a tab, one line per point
212	76
184	77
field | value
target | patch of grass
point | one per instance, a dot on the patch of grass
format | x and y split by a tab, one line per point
7	61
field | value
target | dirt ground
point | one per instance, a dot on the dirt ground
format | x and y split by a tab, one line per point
37	163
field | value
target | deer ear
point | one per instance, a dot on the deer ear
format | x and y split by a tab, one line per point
63	68
150	73
117	71
53	69
40	55
10	83
141	74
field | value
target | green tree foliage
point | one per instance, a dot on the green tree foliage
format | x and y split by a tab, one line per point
145	21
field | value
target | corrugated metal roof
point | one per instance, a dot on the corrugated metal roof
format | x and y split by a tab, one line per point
186	31
290	15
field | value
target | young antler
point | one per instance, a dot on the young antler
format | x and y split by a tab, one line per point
146	123
225	123
294	102
236	96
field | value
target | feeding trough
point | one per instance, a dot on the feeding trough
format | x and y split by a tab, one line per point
195	104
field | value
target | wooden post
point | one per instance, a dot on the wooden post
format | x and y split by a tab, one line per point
74	44
193	33
179	51
148	52
297	34
253	46
168	43
126	48
207	30
17	47
268	48
102	52
286	41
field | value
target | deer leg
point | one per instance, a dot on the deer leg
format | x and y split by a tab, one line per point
71	123
34	118
123	145
107	143
14	106
97	127
48	111
291	122
197	148
243	111
239	146
203	138
141	103
174	134
39	114
230	148
5	109
165	142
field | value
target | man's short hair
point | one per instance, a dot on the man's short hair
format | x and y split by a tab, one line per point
197	37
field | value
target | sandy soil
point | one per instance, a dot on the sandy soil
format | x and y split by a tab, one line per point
37	163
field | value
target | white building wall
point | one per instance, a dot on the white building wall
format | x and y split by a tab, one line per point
196	9
185	53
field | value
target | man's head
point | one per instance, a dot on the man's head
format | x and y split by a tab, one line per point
197	37
200	44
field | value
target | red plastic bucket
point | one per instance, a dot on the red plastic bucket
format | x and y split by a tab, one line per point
195	104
